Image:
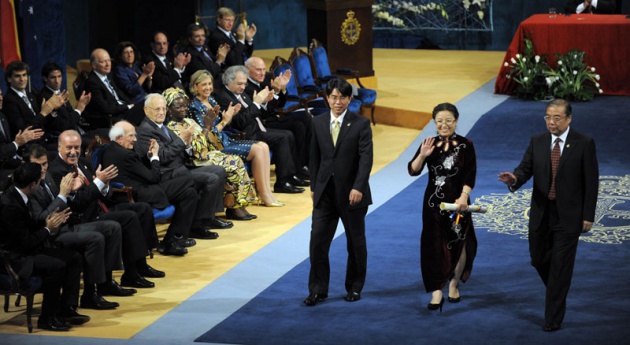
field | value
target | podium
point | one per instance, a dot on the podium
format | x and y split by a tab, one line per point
344	27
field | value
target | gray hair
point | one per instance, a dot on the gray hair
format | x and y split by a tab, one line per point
117	130
230	74
151	96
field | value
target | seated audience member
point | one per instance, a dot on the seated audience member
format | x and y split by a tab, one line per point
142	173
11	146
168	70
53	77
89	203
109	103
174	153
590	6
99	241
248	120
129	77
200	56
21	107
241	46
205	111
299	123
239	189
31	254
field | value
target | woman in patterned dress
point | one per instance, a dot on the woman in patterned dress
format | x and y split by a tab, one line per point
448	244
239	189
205	111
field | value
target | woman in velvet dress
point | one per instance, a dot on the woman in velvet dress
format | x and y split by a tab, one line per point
447	249
132	79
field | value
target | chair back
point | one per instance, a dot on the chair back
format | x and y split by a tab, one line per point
94	151
318	55
11	284
79	82
302	66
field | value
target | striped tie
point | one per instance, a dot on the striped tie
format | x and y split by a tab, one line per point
555	159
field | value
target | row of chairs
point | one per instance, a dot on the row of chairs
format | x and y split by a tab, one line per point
311	71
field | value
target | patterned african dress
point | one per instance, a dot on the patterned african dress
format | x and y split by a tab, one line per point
197	110
452	164
238	183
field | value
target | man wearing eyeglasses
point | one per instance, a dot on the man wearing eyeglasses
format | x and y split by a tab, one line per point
563	163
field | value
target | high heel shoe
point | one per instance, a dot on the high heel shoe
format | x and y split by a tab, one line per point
273	204
432	306
454	299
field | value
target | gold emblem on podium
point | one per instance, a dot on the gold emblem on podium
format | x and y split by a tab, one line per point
350	29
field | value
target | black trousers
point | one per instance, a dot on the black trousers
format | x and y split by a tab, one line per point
326	216
61	271
182	194
552	250
282	144
300	126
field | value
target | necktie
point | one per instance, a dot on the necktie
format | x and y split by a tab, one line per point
48	191
555	159
2	132
243	103
165	130
112	90
28	102
165	62
205	53
232	38
335	132
103	207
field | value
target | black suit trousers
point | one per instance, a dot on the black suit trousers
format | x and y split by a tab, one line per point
181	193
61	271
300	126
282	145
552	250
325	219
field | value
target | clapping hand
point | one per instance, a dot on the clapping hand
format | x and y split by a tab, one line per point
56	219
280	82
261	96
107	174
27	135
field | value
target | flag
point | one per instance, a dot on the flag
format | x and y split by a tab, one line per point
9	43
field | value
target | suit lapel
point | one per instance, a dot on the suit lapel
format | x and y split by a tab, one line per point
345	128
568	149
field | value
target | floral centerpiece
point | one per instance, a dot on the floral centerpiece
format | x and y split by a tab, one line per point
573	79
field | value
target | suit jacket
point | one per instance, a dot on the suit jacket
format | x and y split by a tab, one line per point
66	116
268	113
8	160
350	161
20	234
245	120
103	103
83	202
172	151
127	81
603	6
238	50
138	172
20	115
43	203
198	61
577	179
163	76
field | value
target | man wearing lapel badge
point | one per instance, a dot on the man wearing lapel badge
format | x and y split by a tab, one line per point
563	163
340	164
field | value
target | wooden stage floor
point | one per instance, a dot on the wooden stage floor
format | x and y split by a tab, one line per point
409	84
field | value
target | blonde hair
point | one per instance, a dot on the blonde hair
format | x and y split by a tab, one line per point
196	78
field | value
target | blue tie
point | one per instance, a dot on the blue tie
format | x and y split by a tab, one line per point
165	130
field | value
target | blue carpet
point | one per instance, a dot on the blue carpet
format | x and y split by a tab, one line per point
503	302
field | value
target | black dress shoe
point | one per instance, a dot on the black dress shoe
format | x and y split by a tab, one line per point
136	281
112	288
352	296
551	327
287	188
296	181
70	315
96	301
304	173
52	323
217	223
151	272
184	241
203	234
231	214
315	298
171	248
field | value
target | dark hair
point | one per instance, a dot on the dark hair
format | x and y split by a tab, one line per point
568	110
34	151
122	46
448	107
26	174
155	33
194	27
49	67
14	67
345	89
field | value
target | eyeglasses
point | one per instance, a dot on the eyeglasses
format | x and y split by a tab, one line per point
339	98
554	118
158	109
447	122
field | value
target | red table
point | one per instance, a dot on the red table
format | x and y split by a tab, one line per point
604	38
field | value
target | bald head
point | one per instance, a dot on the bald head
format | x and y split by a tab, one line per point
256	68
101	61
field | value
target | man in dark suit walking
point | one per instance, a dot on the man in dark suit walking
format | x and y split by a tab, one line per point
563	163
340	163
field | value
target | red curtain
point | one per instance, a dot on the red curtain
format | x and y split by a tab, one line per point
9	45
